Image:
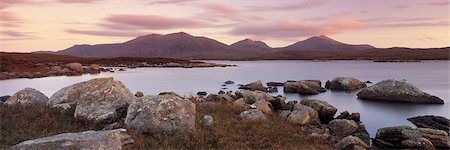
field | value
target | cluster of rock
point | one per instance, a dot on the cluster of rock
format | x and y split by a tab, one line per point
167	65
108	103
52	69
405	137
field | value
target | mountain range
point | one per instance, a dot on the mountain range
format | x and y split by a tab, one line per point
186	46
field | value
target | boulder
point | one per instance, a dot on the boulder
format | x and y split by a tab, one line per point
434	122
27	96
419	143
350	143
252	115
161	114
346	115
139	94
345	84
290	105
251	97
272	89
325	110
94	67
255	86
392	137
264	107
219	98
61	100
221	92
341	128
284	114
275	84
107	139
439	138
4	98
306	87
102	100
170	94
229	82
77	67
303	115
362	134
207	121
240	103
397	91
278	103
202	93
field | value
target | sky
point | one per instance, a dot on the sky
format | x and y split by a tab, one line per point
31	25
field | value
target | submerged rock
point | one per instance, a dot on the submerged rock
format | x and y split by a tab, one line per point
255	86
27	96
306	87
107	139
434	122
345	84
161	114
397	91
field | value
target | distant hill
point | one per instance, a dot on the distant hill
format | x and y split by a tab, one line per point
185	46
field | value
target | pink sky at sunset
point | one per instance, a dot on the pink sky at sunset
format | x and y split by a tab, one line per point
30	25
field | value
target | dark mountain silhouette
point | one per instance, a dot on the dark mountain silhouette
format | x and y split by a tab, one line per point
185	46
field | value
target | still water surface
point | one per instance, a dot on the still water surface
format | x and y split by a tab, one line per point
430	76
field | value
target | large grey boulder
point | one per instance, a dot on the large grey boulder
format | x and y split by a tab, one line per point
351	143
278	103
94	140
341	128
102	100
61	100
161	114
252	115
392	137
303	115
257	85
251	97
306	87
27	96
345	84
263	106
325	110
75	67
434	122
397	91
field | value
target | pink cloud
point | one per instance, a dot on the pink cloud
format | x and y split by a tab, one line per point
439	3
401	6
300	5
13	33
77	1
154	21
289	28
157	2
218	8
9	19
107	33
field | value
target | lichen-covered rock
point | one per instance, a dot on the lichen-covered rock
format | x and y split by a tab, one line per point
433	122
345	84
341	128
325	110
61	100
161	114
290	105
27	96
392	137
362	134
353	116
220	98
207	121
251	97
278	103
439	138
255	86
419	143
306	87
252	115
94	67
102	100
264	107
351	143
303	115
284	114
75	67
397	91
95	140
240	103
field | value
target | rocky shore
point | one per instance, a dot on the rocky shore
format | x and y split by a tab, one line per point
120	118
25	65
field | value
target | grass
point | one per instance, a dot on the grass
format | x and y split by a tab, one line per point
23	123
3	69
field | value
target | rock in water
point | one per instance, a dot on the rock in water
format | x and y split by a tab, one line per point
75	67
94	67
342	127
306	87
95	140
439	138
275	84
397	91
27	96
102	100
161	114
392	137
325	110
252	115
229	82
255	86
345	84
139	94
434	122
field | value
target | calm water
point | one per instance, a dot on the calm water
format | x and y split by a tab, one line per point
432	77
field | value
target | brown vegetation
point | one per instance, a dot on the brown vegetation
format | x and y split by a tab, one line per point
23	123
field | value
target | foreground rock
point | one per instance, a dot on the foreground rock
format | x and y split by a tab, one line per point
207	121
102	100
303	115
252	115
161	114
109	139
397	91
345	84
353	116
255	86
341	128
350	143
325	110
27	96
306	87
434	122
406	137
